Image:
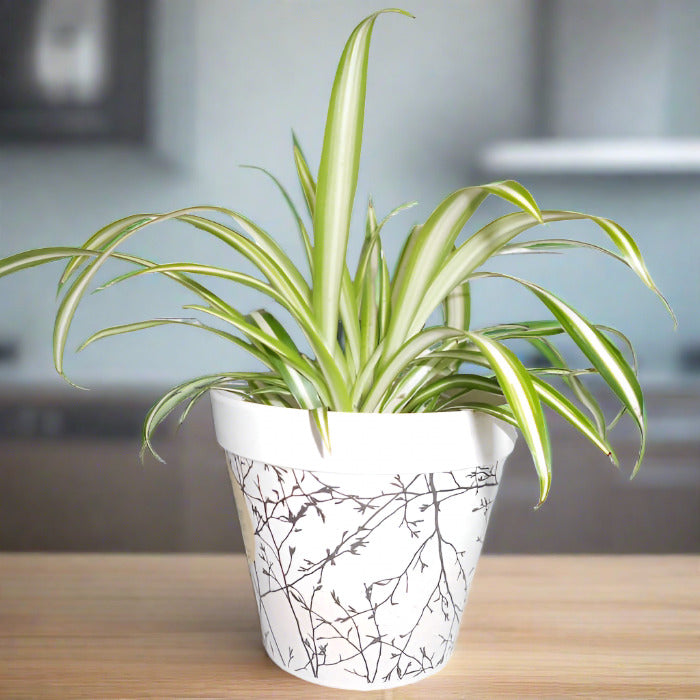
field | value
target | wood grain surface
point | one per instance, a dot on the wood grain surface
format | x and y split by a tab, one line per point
108	626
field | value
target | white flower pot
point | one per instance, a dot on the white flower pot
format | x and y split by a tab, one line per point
361	560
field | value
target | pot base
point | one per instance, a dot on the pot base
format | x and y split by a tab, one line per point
361	581
355	687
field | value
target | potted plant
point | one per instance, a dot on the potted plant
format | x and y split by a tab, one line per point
364	465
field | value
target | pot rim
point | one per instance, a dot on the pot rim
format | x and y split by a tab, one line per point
361	443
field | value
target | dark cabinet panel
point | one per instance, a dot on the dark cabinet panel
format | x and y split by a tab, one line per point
71	479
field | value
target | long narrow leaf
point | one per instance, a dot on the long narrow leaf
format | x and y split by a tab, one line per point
105	234
434	243
300	387
337	176
568	410
492	238
457	307
319	417
461	264
604	356
522	398
303	233
153	323
372	231
278	347
177	395
556	359
306	179
209	270
402	359
461	383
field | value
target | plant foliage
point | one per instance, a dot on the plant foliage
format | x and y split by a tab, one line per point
370	346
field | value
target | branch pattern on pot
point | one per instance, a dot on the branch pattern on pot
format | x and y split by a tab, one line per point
353	573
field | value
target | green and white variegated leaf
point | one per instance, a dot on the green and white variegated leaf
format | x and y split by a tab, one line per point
401	360
300	387
460	265
337	176
635	365
457	314
372	233
179	394
104	235
555	245
534	332
384	296
41	256
193	323
262	251
367	262
266	244
369	319
306	179
197	269
502	412
631	256
278	348
556	359
625	341
493	237
349	316
568	410
78	288
457	307
523	329
631	253
453	386
405	255
415	377
522	397
303	233
108	239
348	305
319	418
269	384
434	243
260	391
561	371
602	353
290	296
371	293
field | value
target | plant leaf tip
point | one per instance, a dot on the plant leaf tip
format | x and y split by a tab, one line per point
398	10
147	447
73	384
544	494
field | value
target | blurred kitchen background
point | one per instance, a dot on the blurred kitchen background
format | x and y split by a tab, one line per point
113	107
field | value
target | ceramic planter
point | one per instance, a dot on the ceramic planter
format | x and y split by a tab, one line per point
361	560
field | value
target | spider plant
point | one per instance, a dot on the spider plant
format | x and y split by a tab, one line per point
369	346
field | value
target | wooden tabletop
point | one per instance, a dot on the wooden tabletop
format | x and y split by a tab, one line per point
106	626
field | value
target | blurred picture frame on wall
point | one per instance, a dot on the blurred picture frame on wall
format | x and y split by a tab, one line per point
74	70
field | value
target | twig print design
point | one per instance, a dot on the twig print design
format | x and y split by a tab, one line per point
363	575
